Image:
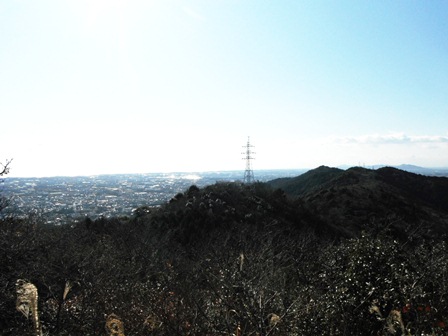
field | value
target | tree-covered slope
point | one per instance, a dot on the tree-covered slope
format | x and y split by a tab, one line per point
312	180
231	259
355	197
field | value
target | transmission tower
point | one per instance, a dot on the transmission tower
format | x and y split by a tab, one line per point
248	173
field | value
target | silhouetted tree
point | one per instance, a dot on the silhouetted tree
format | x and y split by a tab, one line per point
4	169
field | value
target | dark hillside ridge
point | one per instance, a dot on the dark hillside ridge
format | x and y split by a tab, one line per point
312	180
233	210
357	197
428	189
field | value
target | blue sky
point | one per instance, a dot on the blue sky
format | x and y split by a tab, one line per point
129	86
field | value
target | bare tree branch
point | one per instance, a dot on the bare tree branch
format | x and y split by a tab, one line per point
4	168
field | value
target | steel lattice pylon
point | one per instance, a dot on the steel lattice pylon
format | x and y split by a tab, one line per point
248	173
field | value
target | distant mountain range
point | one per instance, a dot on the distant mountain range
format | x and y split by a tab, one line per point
353	198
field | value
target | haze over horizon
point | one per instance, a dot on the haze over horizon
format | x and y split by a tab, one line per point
113	86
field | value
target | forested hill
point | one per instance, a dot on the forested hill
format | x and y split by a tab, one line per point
357	196
331	252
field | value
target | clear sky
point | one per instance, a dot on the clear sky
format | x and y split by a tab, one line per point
129	86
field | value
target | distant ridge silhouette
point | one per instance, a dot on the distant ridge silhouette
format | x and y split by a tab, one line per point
357	196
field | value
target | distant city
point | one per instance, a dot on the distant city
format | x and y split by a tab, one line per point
58	200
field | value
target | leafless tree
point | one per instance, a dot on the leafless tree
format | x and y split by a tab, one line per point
4	168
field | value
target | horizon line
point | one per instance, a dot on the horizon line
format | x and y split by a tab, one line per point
342	166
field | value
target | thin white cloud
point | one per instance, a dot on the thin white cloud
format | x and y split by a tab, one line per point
393	138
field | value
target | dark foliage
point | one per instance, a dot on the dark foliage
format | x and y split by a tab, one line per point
351	198
228	259
311	180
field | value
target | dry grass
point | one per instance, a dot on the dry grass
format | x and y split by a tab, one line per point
27	300
114	326
393	321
